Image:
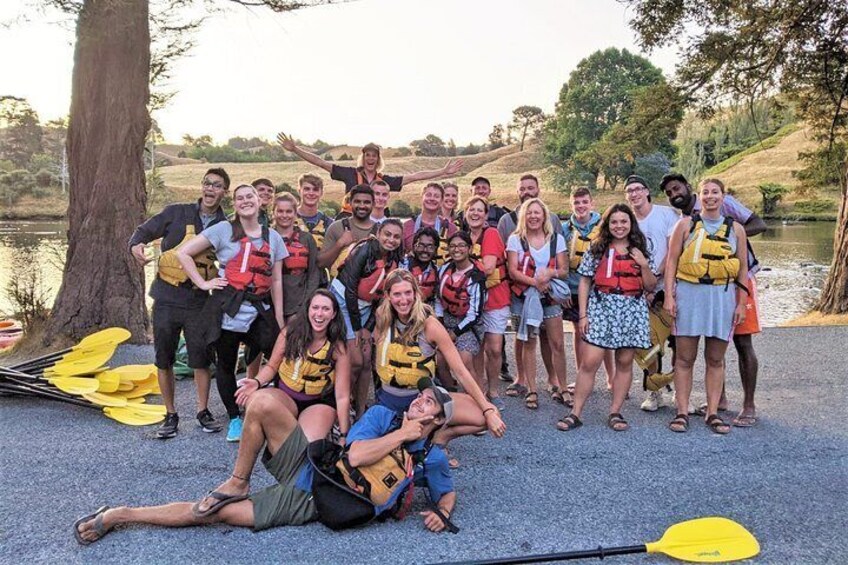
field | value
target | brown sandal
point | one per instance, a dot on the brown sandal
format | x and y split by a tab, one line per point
531	400
717	425
680	424
617	423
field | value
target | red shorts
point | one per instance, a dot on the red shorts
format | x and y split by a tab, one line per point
751	325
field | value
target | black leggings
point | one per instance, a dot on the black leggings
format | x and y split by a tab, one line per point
227	348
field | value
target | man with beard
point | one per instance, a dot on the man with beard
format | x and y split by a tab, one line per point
681	196
176	301
349	230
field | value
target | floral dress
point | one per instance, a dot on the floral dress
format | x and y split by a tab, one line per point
616	321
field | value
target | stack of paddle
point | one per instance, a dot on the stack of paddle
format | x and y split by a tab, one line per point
79	375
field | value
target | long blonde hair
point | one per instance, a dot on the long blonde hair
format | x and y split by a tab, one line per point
386	314
521	223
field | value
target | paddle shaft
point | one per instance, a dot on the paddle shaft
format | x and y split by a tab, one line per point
45	393
600	553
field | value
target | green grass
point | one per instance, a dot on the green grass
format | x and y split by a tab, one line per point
767	143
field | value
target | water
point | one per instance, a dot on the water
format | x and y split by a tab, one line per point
795	257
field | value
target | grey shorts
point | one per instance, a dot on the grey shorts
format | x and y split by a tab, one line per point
495	321
284	504
554	310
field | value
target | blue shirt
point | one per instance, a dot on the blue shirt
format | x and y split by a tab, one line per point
379	421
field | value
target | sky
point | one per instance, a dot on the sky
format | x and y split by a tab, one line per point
389	71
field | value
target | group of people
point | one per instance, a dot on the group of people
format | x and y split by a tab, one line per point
327	308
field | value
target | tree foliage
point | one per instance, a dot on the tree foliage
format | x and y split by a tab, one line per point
527	120
615	106
749	49
497	138
430	146
20	131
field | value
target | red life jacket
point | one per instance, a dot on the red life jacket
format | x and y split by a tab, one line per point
618	274
497	276
427	277
455	297
528	266
370	287
298	260
250	269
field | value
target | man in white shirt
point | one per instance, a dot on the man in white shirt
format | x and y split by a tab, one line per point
657	223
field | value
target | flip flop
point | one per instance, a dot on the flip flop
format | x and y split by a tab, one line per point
745	421
222	500
97	516
515	390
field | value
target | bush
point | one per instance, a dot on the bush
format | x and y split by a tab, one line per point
182	154
16	184
286	187
772	194
402	209
45	178
345	157
6	166
43	161
328	157
43	191
403	152
329	207
815	206
26	290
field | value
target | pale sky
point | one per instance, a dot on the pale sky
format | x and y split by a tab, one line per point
388	71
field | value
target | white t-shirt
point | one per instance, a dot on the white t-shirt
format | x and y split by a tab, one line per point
657	227
540	256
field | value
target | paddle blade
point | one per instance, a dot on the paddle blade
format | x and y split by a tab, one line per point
91	364
105	399
707	540
74	385
108	381
131	417
109	335
135	372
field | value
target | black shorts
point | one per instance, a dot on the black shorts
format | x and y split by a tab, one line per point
571	314
327	400
168	322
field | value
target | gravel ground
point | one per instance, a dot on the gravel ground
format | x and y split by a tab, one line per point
535	491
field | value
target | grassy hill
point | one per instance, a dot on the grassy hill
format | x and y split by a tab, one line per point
774	160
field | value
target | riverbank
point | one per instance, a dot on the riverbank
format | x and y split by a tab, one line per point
817	319
537	490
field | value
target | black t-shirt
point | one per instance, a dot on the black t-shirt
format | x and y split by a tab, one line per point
349	176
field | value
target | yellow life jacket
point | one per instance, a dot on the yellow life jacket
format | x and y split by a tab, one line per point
312	374
170	270
708	259
579	244
402	365
337	265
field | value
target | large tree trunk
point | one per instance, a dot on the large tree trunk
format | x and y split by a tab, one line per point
102	285
834	296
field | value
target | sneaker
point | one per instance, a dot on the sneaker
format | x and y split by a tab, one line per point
499	403
168	429
207	422
234	430
652	402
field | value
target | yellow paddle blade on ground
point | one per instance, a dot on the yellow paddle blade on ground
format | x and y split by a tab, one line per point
109	335
107	381
135	372
74	385
131	417
83	366
147	408
707	540
102	399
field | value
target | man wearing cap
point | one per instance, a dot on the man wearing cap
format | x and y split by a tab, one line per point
289	503
481	187
656	222
682	197
369	167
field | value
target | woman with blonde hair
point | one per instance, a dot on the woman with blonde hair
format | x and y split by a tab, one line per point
406	338
537	261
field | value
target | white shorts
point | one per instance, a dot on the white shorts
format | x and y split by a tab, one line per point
495	321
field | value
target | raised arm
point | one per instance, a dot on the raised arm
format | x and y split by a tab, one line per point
288	144
450	169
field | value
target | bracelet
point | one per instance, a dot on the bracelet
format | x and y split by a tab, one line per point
581	317
258	382
488	410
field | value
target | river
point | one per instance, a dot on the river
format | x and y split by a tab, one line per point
795	257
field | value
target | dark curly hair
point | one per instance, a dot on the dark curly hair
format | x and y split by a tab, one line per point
299	330
634	239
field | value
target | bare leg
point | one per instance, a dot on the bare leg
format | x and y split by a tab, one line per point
528	363
547	356
556	344
714	350
203	381
749	367
593	356
363	381
467	419
317	421
520	378
493	346
609	367
166	384
623	378
686	352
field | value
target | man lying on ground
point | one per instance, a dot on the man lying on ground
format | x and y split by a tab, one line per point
290	503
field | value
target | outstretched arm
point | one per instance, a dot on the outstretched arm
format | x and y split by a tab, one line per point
451	168
287	142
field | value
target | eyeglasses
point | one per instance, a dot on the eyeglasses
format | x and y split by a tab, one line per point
635	190
216	185
458	246
426	246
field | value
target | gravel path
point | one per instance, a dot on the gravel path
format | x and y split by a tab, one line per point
536	491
